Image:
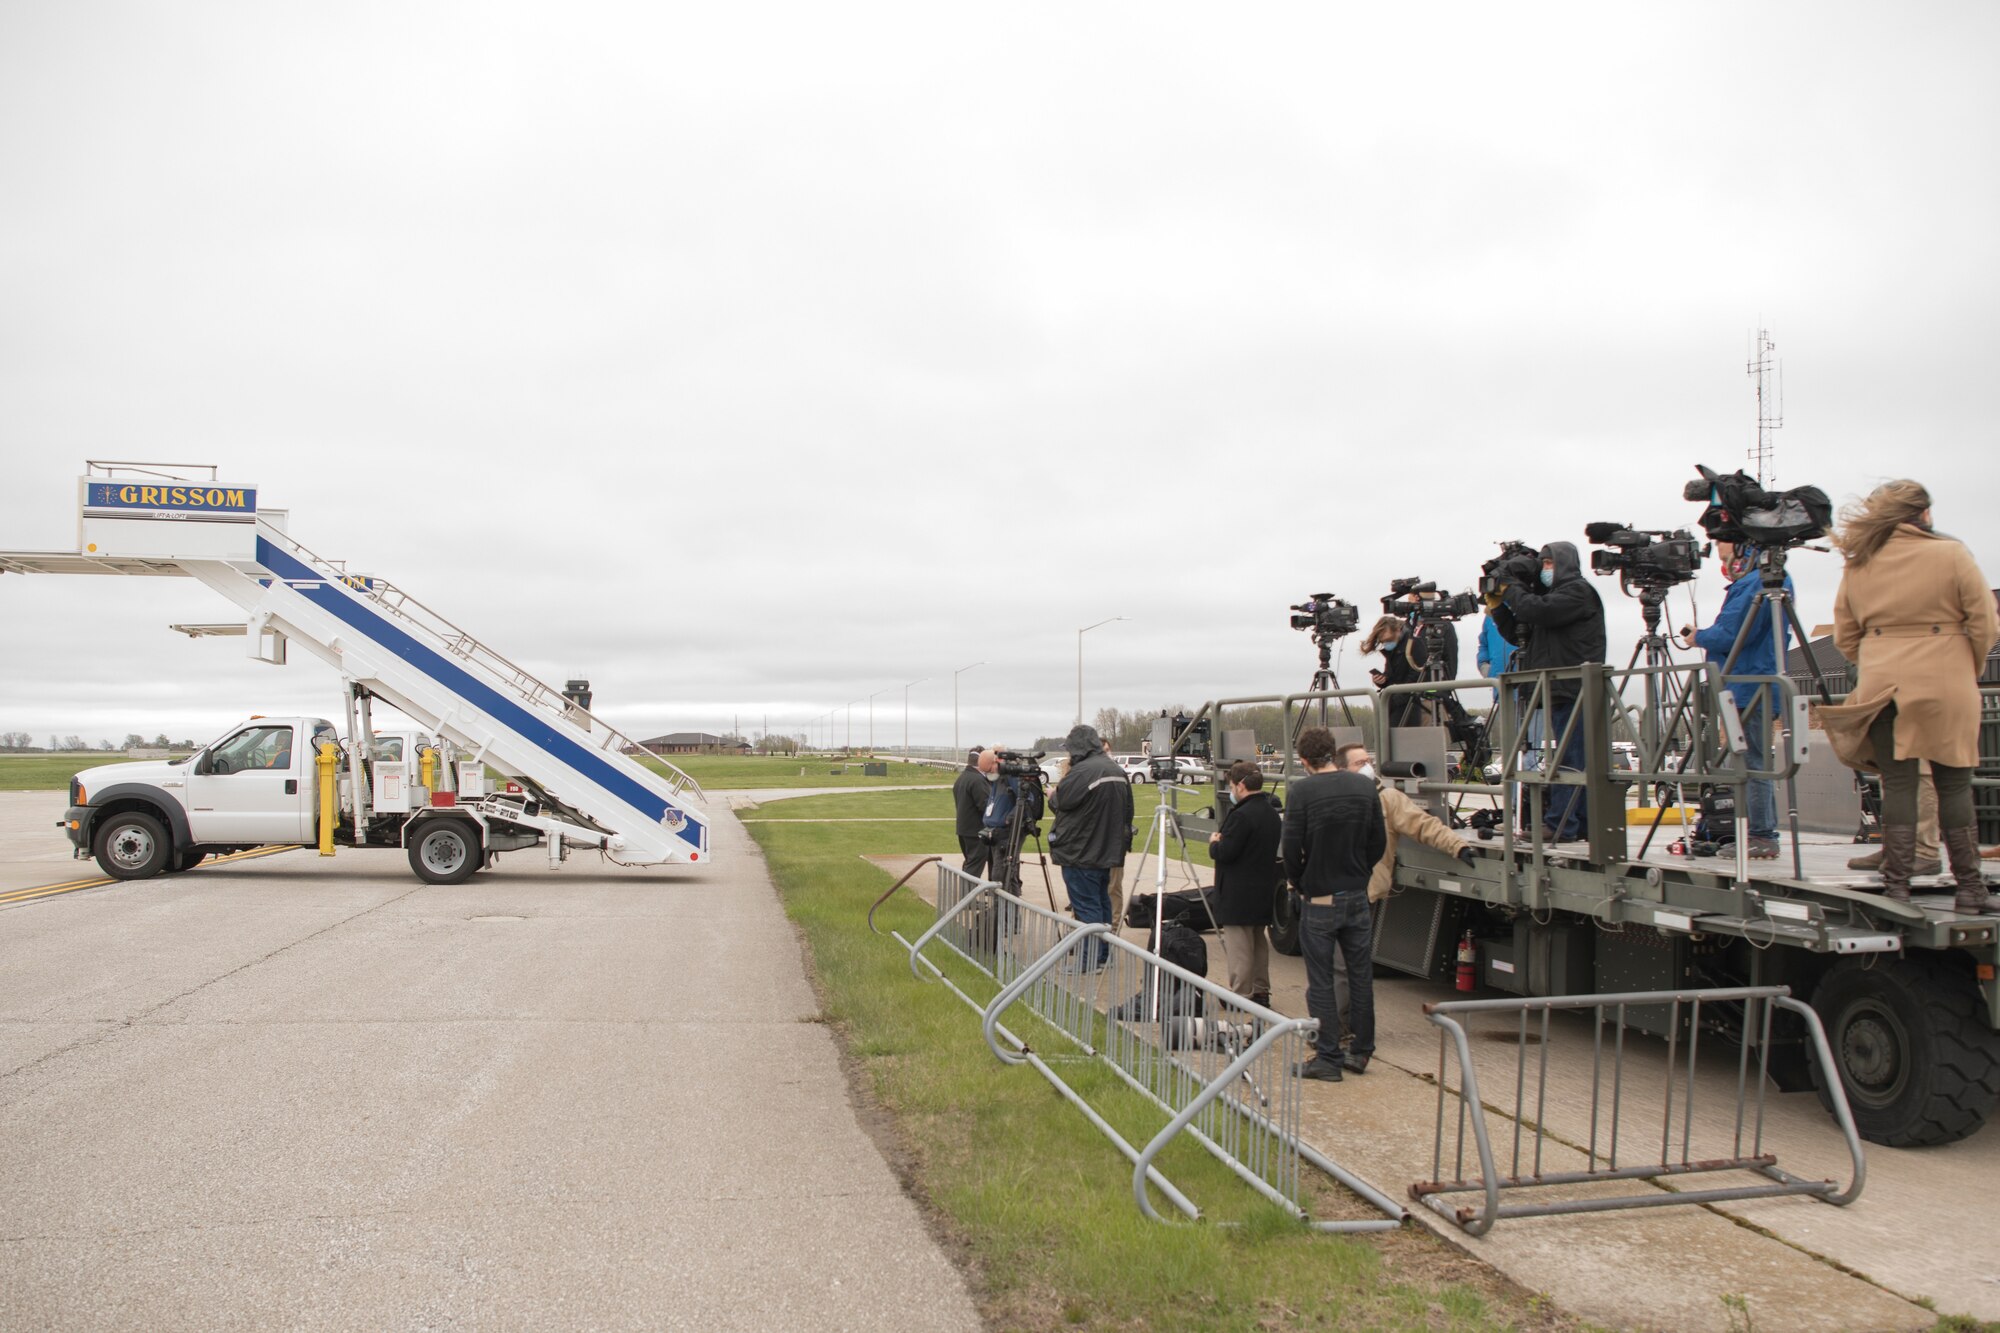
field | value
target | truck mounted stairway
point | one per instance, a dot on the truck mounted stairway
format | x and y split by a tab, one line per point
585	783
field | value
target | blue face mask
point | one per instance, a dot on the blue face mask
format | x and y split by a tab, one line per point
1548	578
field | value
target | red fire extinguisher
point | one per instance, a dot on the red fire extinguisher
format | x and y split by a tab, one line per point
1467	962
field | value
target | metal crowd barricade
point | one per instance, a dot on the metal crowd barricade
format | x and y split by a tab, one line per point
1218	1066
1606	1160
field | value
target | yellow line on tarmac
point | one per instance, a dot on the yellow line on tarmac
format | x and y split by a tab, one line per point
75	885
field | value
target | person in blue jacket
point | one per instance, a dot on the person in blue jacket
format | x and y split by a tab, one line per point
1495	653
1758	658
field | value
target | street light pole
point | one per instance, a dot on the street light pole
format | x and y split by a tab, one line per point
1079	664
850	725
871	716
954	703
906	717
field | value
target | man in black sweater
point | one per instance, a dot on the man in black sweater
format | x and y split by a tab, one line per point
969	794
1334	835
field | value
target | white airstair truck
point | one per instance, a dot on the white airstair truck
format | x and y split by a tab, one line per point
573	781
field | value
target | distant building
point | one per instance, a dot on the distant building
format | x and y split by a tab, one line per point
696	742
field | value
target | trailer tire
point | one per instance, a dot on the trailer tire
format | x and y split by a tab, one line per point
1285	918
132	845
1919	1065
445	851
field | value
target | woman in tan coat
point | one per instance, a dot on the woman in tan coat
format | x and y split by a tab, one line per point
1916	615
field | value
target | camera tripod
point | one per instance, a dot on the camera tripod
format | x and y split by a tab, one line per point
1165	817
1324	681
1018	829
1665	698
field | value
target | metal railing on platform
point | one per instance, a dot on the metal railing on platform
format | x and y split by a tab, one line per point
1217	1066
1609	1150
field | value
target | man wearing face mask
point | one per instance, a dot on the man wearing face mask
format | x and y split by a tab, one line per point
1757	658
1553	615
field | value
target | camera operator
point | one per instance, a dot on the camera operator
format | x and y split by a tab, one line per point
1001	832
1550	611
969	793
1093	829
1757	658
1404	657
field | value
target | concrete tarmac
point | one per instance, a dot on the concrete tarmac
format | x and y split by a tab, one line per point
317	1093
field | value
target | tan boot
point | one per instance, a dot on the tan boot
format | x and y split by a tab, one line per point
1927	862
1899	853
1972	898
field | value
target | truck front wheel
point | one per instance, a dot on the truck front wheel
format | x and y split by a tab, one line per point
445	851
132	846
1918	1064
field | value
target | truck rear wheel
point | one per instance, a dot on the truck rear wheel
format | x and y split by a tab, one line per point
1919	1066
132	845
445	851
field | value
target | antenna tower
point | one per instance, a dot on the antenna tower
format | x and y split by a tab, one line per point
1769	375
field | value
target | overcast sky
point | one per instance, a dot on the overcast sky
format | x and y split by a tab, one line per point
750	359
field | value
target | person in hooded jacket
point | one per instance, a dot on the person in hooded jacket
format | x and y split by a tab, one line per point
1093	827
1916	615
1556	619
1245	852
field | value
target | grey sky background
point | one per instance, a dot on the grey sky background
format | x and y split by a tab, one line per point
750	359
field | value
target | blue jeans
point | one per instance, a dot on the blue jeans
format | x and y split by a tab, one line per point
1089	889
1342	921
1565	809
1760	799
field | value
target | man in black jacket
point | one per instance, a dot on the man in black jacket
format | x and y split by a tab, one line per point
1245	852
1555	617
969	793
1333	837
1093	828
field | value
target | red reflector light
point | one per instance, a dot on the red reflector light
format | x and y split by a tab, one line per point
1984	970
694	856
444	798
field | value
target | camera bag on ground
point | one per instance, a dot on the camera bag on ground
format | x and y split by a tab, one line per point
1717	823
1184	949
1183	907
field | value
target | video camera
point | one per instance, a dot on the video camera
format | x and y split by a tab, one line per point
1742	511
1429	603
1645	557
1327	616
1491	580
1014	764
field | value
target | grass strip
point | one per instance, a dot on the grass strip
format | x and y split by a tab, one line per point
1036	1202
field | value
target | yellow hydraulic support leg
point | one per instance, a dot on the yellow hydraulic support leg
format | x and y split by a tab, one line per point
429	767
329	795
